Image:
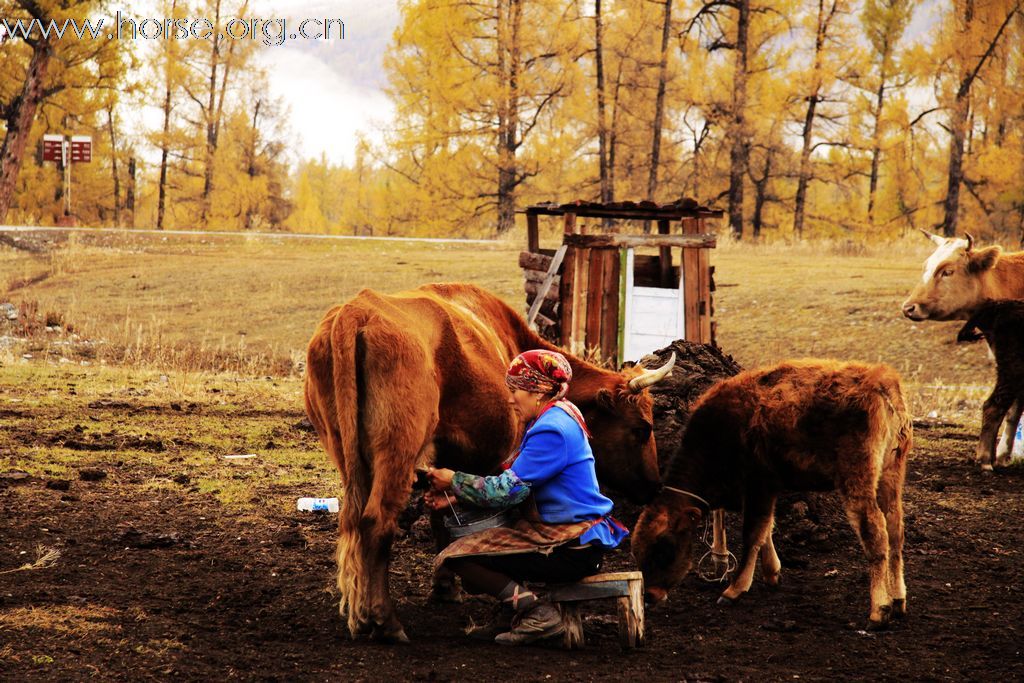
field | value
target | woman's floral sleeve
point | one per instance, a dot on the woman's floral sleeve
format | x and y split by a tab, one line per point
500	491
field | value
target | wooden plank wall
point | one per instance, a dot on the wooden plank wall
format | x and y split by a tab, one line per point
696	287
582	310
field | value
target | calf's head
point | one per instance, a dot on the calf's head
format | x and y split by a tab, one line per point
952	283
663	543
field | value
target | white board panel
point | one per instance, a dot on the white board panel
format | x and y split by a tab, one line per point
654	316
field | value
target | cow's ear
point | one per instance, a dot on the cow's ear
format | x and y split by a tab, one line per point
688	518
605	399
983	259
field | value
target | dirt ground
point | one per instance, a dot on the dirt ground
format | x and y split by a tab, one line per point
177	563
171	584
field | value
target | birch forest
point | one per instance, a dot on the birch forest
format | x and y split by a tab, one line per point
800	119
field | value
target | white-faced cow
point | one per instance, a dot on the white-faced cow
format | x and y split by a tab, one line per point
1001	324
799	426
396	382
958	279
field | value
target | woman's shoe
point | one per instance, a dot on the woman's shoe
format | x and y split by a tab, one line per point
500	622
542	620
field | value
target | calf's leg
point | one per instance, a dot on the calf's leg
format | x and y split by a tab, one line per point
868	523
1009	432
758	513
890	500
992	414
771	566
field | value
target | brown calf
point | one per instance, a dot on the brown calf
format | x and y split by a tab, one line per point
1001	323
798	426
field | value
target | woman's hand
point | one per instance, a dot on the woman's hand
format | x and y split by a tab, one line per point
440	479
435	500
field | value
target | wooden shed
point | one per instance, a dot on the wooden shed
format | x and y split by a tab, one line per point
596	294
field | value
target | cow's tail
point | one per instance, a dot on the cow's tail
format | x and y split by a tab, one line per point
901	426
356	472
384	414
333	404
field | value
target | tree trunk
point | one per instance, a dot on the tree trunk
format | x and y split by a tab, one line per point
740	151
251	166
951	207
129	200
805	151
211	127
659	107
161	201
602	125
761	197
164	143
876	149
958	122
113	167
508	111
21	114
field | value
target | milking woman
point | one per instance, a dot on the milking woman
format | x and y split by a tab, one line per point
565	527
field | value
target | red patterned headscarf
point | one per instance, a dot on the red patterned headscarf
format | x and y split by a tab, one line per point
540	371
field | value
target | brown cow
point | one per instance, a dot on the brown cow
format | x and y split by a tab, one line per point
398	382
798	426
1001	323
958	280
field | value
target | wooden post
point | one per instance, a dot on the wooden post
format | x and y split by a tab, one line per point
688	271
631	615
568	289
532	233
595	298
572	638
665	256
705	307
610	306
719	544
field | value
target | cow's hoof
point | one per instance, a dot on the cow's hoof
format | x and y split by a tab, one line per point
986	469
445	595
726	601
773	581
363	628
881	622
390	637
1003	461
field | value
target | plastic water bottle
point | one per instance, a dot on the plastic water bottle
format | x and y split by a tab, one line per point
1018	442
318	504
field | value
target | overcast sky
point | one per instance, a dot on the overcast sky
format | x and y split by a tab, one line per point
334	89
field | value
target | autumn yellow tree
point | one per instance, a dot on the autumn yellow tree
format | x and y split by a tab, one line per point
477	88
51	85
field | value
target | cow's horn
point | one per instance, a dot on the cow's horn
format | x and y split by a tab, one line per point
970	241
933	237
652	377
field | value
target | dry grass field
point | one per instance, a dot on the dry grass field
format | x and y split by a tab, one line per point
249	305
141	361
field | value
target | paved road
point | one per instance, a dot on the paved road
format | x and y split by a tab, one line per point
287	235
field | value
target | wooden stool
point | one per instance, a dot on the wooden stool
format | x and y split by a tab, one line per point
627	587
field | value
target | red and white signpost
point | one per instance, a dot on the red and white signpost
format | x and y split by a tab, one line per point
77	150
